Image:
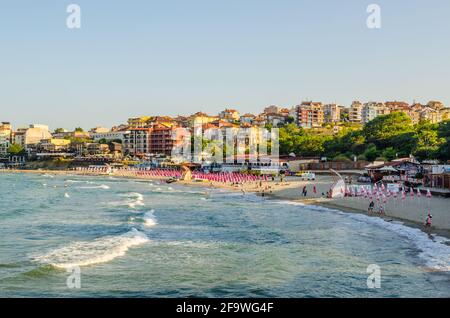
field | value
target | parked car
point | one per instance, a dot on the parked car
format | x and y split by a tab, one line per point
308	176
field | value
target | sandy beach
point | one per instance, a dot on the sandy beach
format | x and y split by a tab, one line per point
412	211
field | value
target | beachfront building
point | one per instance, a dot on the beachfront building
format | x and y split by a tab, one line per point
439	177
5	142
5	138
53	145
310	114
136	142
161	139
403	169
156	140
31	136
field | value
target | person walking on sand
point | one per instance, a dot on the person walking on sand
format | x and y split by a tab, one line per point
429	220
305	191
315	189
371	206
381	210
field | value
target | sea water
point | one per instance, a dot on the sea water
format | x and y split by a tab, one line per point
131	238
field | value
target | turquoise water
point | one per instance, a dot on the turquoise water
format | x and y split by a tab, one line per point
146	239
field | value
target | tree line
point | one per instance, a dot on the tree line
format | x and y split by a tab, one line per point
384	138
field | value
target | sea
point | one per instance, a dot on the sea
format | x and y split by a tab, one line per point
73	236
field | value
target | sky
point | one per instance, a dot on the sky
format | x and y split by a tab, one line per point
145	57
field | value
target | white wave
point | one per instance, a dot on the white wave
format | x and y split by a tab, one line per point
150	219
66	195
98	251
103	186
74	181
435	252
134	199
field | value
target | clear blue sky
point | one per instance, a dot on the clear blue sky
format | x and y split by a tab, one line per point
172	57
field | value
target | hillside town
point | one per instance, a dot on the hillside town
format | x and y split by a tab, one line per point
309	138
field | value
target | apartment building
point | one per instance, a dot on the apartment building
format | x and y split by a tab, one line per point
199	119
332	113
229	115
372	110
355	112
247	118
5	137
161	140
136	142
138	122
431	115
31	136
273	109
310	114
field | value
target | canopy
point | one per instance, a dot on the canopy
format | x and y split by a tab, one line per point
388	169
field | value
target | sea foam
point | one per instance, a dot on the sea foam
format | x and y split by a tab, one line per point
103	186
150	219
101	250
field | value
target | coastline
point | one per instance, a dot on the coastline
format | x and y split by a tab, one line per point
409	213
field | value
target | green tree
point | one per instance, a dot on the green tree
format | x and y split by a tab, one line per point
79	129
383	129
444	133
58	131
389	153
371	153
15	149
428	141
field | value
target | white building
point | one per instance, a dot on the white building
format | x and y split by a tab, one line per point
332	113
369	112
33	135
5	138
355	112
